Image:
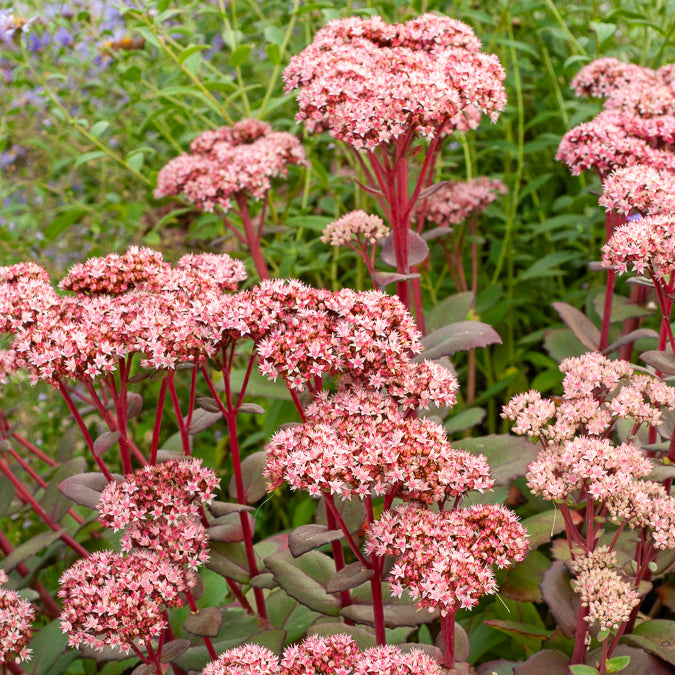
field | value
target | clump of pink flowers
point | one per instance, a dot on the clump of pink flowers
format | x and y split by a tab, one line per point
353	229
602	77
334	655
230	161
444	559
456	201
16	616
370	83
114	600
639	189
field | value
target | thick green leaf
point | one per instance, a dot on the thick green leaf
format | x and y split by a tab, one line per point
305	579
465	420
308	537
48	645
456	337
394	615
543	526
580	669
240	55
84	488
524	578
452	309
656	636
352	511
622	308
29	548
53	501
582	327
255	484
350	576
508	455
205	622
229	560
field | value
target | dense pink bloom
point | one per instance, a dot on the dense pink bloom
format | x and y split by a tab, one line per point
609	597
612	140
25	292
113	600
16	616
370	83
639	189
390	660
597	392
230	161
456	201
357	442
222	270
171	490
646	246
317	655
7	366
602	77
646	99
23	271
355	227
249	659
114	274
444	559
419	384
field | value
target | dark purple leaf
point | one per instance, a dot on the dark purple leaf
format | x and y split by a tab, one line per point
508	455
499	667
219	509
251	409
549	661
662	361
641	663
383	279
308	537
417	250
263	580
582	327
105	441
205	623
560	598
202	419
229	528
85	488
456	337
207	403
255	484
561	343
352	511
640	281
169	456
134	404
436	233
524	578
638	334
394	615
305	579
144	669
53	501
229	560
139	377
351	576
172	650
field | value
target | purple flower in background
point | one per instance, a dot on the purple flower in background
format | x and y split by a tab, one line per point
12	24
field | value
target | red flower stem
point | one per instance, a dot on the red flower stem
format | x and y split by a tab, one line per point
372	181
666	306
580	649
39	480
244	384
252	239
236	591
28	498
572	532
207	641
338	557
328	498
390	496
429	162
85	432
139	653
52	608
184	437
377	565
36	451
158	421
448	636
297	403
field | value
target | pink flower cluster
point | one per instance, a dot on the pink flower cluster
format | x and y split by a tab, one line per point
646	246
370	83
113	600
159	507
456	201
355	227
7	365
603	77
609	597
357	442
445	559
25	292
578	454
615	139
230	161
640	189
128	304
16	616
334	655
597	391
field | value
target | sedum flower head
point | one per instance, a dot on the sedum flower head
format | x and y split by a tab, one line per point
112	600
609	597
370	83
318	655
456	201
247	659
390	660
604	76
445	559
641	189
646	246
170	491
355	226
230	162
16	616
358	442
